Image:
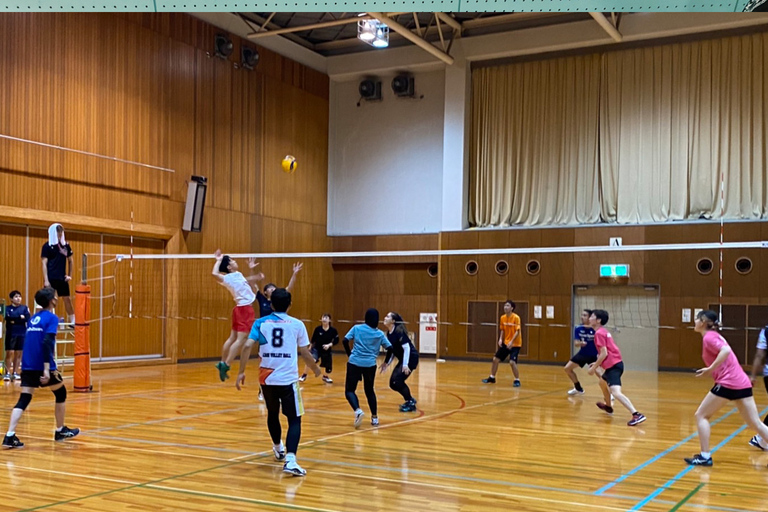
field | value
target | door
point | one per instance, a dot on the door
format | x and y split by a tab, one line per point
633	320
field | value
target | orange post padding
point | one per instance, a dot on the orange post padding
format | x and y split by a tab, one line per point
83	338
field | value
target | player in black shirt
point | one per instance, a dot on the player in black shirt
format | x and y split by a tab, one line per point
323	340
407	355
55	255
265	299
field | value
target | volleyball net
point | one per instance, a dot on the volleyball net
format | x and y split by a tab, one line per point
450	300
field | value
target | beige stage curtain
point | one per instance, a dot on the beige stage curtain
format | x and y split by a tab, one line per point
534	143
670	120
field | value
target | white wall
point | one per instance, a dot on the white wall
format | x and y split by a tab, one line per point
385	159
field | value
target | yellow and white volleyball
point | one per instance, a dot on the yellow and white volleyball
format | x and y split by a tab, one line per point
289	164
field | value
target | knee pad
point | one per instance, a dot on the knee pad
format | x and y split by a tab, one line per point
24	400
61	395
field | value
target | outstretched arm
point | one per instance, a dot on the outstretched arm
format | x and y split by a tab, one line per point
216	273
296	268
255	277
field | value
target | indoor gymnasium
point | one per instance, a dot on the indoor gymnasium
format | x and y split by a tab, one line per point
446	261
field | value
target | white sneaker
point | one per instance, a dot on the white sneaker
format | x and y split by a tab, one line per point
359	418
575	391
303	378
279	452
293	468
375	422
7	377
327	379
612	399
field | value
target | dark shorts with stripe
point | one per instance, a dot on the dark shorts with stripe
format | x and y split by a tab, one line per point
287	398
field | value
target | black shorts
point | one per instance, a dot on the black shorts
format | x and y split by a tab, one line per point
730	394
505	352
581	359
324	356
288	397
31	379
61	286
613	374
14	343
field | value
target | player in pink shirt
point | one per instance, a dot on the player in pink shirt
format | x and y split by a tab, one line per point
609	367
731	384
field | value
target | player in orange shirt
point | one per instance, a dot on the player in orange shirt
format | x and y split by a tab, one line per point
510	342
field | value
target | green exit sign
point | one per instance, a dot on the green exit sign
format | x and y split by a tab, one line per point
614	270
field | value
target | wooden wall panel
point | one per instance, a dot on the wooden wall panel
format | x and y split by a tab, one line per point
13	254
681	286
141	87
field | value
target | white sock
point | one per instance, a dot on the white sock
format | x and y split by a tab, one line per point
762	442
706	455
71	319
491	376
358	411
279	447
58	429
10	434
290	457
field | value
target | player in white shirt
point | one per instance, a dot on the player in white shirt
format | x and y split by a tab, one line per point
225	271
281	339
762	347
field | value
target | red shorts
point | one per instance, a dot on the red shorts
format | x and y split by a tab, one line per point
243	318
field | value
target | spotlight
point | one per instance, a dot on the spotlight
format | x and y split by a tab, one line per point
249	57
373	32
370	89
403	86
223	46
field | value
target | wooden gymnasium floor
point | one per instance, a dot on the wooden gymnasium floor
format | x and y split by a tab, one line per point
174	438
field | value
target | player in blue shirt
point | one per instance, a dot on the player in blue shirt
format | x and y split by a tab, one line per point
16	319
367	340
584	337
38	369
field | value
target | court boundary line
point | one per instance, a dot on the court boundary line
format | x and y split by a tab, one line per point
650	497
658	456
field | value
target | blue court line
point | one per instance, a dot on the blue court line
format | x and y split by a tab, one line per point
685	471
653	459
407	472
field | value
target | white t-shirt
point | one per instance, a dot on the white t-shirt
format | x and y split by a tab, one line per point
239	288
279	337
761	344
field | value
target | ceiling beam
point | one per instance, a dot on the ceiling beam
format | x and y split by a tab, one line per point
400	29
607	26
300	28
448	20
271	25
354	41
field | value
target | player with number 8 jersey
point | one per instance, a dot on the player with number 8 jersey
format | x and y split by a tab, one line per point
281	339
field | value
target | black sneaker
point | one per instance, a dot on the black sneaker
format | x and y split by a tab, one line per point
12	442
65	433
489	380
408	407
698	460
